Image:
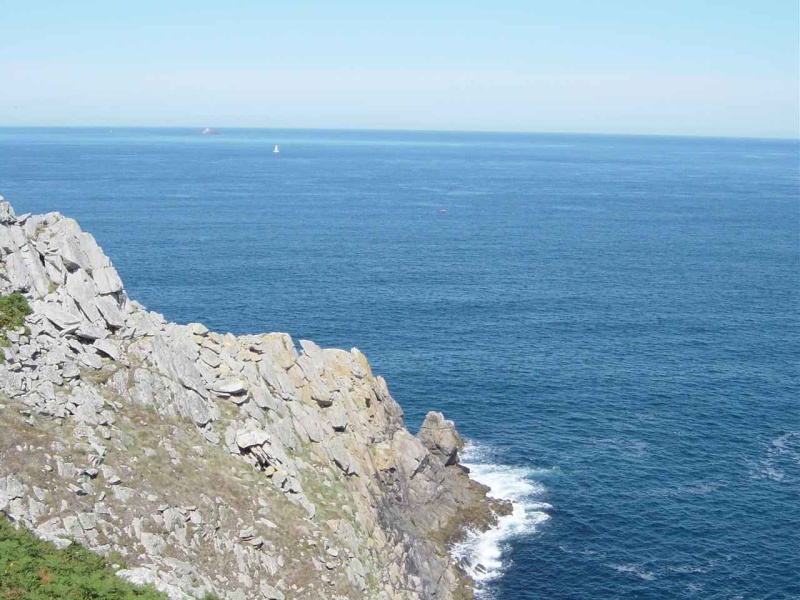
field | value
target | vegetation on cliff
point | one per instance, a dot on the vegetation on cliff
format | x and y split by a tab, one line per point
13	310
31	569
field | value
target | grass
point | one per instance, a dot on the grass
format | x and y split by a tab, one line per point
31	569
13	310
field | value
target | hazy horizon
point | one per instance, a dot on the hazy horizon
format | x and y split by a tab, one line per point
529	67
222	129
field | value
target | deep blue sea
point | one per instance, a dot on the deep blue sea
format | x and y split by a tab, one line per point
614	322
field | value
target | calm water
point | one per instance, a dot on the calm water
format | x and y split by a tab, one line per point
613	321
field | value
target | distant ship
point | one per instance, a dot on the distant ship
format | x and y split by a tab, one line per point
275	149
208	131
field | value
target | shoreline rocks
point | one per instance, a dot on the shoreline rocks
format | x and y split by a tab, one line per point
241	466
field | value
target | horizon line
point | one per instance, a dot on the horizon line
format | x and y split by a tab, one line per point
220	129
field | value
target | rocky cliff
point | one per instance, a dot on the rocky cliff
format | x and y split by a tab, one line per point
210	463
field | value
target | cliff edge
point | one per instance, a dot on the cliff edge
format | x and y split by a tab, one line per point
212	463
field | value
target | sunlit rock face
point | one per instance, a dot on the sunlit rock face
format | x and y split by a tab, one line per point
211	463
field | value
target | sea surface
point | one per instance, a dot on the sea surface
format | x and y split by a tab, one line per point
613	322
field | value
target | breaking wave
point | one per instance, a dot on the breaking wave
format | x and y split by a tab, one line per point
483	554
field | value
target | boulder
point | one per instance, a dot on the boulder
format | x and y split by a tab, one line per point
439	436
107	280
69	249
91	332
109	348
17	272
83	290
198	329
246	438
59	317
11	239
111	312
233	387
7	215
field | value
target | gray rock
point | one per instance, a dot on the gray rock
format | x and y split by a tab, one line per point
310	348
439	436
234	387
263	398
153	544
339	454
91	332
72	254
7	215
151	576
337	415
172	357
278	380
240	400
73	527
111	476
109	348
87	520
59	317
107	280
210	358
9	242
71	371
91	360
17	272
111	312
123	494
270	593
83	290
307	421
97	259
246	438
198	329
191	404
409	453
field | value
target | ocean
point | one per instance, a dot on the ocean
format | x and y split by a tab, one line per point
612	322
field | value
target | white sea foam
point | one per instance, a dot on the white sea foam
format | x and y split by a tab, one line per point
780	461
637	570
483	553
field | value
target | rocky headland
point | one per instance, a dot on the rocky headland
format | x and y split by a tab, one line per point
239	466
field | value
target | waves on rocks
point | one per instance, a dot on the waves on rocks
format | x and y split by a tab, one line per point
484	554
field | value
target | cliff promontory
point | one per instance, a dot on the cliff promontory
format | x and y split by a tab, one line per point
240	466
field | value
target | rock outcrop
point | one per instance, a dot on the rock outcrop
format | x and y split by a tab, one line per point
211	463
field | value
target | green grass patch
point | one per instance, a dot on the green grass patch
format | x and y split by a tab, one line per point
31	569
13	310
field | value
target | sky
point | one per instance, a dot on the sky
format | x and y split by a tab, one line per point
700	67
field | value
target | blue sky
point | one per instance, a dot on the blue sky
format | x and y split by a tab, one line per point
695	68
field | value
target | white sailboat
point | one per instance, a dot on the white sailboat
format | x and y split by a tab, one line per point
275	149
